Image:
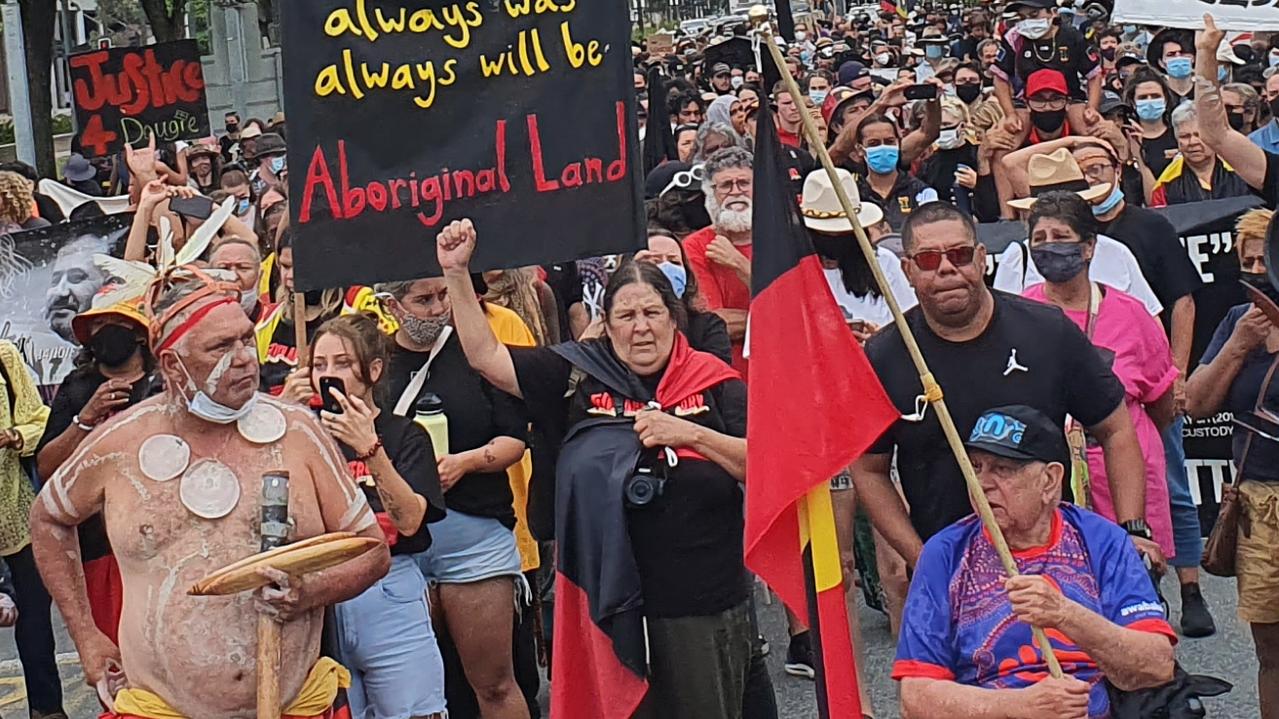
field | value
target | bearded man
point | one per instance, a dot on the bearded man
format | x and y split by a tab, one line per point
176	480
720	255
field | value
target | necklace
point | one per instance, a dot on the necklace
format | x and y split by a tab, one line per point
1052	50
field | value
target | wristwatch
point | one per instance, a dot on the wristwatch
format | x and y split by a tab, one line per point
1138	528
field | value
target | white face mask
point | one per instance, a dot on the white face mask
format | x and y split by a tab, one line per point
800	36
737	82
883	58
207	409
950	138
1034	28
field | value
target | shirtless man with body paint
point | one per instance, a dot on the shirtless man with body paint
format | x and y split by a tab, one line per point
198	654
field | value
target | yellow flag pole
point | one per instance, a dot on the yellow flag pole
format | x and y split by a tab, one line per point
932	390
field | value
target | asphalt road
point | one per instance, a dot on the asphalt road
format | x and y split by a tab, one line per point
1228	655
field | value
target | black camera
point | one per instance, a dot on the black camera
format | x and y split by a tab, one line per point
644	487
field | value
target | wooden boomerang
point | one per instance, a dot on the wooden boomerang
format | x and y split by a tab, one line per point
1267	305
309	555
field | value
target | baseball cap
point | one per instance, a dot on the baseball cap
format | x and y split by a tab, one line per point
1110	102
851	71
1045	80
1129	57
1012	6
1019	432
720	68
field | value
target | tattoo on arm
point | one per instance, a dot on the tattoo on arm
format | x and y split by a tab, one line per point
390	505
489	457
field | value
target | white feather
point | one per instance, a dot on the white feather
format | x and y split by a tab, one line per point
204	234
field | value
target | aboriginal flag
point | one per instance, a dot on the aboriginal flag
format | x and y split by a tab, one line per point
902	8
815	405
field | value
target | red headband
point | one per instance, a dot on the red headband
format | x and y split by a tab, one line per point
191	322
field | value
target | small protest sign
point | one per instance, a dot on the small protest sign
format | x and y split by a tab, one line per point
661	43
123	94
407	114
47	277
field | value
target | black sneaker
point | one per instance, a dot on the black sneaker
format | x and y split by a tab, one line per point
1196	621
799	657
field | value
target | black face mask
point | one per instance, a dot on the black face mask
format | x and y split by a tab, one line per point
1236	121
113	345
232	128
1108	53
1261	281
1049	121
968	93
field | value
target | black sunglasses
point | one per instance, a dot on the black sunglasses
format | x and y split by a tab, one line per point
930	260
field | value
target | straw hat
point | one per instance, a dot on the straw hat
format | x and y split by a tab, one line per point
1057	171
820	206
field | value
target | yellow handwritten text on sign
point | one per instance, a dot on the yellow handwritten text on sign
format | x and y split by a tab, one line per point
454	21
421	78
519	8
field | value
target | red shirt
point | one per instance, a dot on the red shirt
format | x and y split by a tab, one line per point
788	138
719	286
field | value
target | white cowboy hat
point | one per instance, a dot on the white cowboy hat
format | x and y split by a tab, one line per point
820	206
1057	171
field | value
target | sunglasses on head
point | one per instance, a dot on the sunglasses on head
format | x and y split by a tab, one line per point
930	260
686	180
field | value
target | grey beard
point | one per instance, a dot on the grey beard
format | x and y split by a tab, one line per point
423	331
729	220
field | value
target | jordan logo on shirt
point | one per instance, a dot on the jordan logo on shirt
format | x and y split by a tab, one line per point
1014	365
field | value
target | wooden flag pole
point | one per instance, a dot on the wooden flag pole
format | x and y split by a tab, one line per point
932	390
299	326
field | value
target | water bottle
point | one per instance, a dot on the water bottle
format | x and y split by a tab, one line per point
429	412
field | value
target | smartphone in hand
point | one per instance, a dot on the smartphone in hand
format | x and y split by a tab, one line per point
330	403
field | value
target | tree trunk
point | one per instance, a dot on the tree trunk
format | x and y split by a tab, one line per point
165	18
38	18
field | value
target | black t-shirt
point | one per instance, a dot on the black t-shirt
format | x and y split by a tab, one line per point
938	172
1270	192
687	544
708	332
1262	463
1066	52
1157	152
73	394
1162	259
1029	354
477	413
907	193
282	354
409	448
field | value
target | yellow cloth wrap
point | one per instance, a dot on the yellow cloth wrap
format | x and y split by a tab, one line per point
317	695
511	331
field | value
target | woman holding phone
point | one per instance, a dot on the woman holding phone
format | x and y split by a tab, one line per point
385	635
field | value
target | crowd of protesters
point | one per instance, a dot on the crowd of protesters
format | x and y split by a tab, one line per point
462	404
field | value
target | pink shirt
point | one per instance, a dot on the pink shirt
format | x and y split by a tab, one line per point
1143	363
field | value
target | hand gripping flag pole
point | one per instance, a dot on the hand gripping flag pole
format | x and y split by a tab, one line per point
932	390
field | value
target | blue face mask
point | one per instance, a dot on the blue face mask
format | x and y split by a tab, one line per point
1151	110
1130	29
933	52
882	159
818	96
209	410
1179	67
278	164
242	206
1110	203
677	275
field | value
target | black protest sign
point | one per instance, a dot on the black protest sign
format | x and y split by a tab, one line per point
405	115
123	94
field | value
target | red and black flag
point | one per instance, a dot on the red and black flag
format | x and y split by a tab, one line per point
901	8
815	405
601	664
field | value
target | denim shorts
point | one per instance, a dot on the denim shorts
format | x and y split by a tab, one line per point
386	640
466	548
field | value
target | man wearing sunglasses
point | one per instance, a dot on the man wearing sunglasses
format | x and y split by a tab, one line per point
985	348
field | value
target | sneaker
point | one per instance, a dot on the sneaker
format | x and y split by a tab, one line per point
1196	621
799	657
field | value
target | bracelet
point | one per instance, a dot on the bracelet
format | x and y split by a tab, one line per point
84	427
369	455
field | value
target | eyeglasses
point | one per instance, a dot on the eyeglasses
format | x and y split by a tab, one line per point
686	179
1100	171
930	260
1051	102
741	185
